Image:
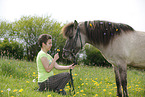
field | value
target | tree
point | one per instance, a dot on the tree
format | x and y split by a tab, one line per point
29	28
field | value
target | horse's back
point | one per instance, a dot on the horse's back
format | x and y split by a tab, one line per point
137	53
128	48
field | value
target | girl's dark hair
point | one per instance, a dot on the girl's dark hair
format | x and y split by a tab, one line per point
43	39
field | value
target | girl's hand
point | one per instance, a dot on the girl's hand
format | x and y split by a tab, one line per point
72	66
56	57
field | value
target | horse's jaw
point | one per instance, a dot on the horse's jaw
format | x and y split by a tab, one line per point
69	58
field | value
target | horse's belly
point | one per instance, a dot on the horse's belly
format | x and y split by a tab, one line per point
141	65
137	58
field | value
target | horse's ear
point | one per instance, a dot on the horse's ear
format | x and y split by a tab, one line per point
75	24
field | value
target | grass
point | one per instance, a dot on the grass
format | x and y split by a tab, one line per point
17	80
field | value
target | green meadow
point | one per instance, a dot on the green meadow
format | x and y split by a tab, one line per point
19	79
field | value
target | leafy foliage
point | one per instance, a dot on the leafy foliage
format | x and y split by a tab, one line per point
11	49
94	57
28	29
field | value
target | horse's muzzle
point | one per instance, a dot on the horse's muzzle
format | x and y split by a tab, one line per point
64	55
67	54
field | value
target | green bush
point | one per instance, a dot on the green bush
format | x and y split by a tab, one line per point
11	49
94	57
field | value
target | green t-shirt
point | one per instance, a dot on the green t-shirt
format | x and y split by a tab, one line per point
42	74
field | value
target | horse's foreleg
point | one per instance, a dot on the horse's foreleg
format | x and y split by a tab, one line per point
118	81
123	75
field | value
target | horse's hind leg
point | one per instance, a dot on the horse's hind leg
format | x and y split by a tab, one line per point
118	81
123	75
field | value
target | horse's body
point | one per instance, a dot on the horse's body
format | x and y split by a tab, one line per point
120	44
127	49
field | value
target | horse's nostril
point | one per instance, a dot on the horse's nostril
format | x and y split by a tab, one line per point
65	55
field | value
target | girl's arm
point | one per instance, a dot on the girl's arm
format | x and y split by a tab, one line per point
60	67
46	65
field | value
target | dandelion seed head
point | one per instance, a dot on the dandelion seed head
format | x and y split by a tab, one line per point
34	80
9	89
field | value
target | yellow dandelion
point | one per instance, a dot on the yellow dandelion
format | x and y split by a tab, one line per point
75	74
2	91
86	83
10	76
33	72
15	90
66	89
116	29
82	91
90	24
95	83
104	90
20	90
60	89
84	94
12	96
58	50
80	78
27	81
110	93
78	86
49	95
82	84
77	92
96	95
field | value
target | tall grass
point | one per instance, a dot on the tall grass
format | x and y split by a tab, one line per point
17	79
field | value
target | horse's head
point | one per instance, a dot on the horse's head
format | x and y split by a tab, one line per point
74	40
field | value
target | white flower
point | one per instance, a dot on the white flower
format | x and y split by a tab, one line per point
34	80
9	89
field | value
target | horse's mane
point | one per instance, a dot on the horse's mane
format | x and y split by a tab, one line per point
66	29
102	32
99	32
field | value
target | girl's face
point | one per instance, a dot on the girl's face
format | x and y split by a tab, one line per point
48	44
